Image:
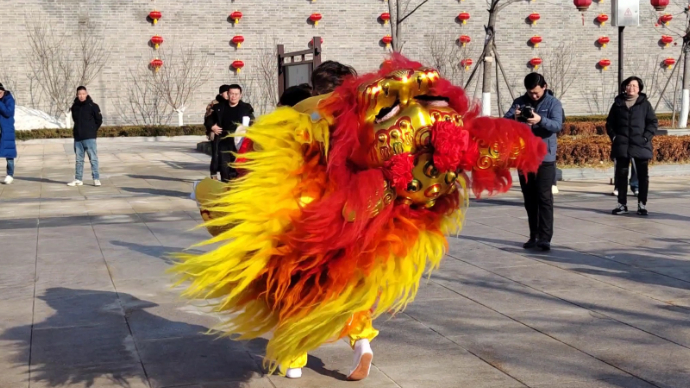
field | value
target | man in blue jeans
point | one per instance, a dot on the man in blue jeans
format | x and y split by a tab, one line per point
8	147
87	119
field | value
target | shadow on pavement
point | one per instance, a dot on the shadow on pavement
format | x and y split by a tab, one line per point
160	192
95	336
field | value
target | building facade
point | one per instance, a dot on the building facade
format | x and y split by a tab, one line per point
352	32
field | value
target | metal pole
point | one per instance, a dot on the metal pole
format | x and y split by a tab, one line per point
620	58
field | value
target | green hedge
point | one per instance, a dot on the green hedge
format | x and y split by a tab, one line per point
595	150
131	131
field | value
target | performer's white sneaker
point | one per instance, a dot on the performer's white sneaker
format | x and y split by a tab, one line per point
362	360
293	373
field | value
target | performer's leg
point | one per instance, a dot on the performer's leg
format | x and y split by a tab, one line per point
295	369
361	332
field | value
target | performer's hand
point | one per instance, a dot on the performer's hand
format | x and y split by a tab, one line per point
517	113
534	120
216	129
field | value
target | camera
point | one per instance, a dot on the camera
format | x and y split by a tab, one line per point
526	112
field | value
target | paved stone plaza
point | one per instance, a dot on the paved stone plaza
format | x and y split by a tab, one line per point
85	302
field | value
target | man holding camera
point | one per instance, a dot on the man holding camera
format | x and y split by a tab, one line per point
543	112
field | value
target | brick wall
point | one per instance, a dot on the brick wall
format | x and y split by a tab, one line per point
351	34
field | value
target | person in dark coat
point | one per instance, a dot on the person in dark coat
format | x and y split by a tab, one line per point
87	120
209	121
8	146
631	125
543	112
227	118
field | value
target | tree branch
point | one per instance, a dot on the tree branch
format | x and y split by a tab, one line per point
411	12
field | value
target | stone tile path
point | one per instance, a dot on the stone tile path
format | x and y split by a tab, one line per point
85	301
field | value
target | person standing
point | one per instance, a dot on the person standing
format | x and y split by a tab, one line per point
543	112
8	146
227	117
209	121
87	119
631	125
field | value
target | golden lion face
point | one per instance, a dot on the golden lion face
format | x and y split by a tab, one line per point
397	114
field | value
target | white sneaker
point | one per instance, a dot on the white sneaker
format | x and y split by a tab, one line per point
96	182
293	373
554	189
8	180
75	183
362	360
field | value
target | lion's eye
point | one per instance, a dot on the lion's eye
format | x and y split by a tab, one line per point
388	112
437	101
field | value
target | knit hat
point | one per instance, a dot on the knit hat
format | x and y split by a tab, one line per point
2	87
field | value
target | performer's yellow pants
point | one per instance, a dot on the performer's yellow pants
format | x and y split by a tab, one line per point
360	327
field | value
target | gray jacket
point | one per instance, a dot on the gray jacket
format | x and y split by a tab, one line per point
552	117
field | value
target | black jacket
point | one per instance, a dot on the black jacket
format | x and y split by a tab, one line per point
229	118
87	119
211	110
631	129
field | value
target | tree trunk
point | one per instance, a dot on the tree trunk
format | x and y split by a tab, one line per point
685	102
488	62
68	121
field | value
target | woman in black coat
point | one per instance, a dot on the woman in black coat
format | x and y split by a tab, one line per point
631	125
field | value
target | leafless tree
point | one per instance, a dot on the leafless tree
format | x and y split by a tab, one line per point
400	11
59	62
446	55
599	101
560	69
183	72
142	103
8	79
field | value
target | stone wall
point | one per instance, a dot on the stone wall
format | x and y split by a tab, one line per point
351	32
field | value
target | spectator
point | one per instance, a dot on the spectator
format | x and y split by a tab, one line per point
631	125
328	76
543	112
87	120
221	98
294	94
8	146
226	118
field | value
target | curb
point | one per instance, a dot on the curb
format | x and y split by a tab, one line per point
133	139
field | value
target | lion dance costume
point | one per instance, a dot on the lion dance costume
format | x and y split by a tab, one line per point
341	212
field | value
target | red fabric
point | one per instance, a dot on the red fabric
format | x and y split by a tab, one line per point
450	143
246	146
398	170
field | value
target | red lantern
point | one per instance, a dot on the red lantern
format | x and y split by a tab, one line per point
582	5
666	40
464	17
534	17
464	39
466	63
238	40
156	64
603	18
157	41
669	62
666	19
604	64
155	15
236	16
385	17
535	62
387	40
603	41
238	65
311	42
535	40
315	17
659	5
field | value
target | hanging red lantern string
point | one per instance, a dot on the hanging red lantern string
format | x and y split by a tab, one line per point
157	41
236	16
582	5
238	40
238	65
464	40
155	15
669	62
604	64
387	40
534	17
602	19
666	40
535	62
467	63
385	17
464	17
535	40
666	19
156	64
659	5
603	41
315	17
